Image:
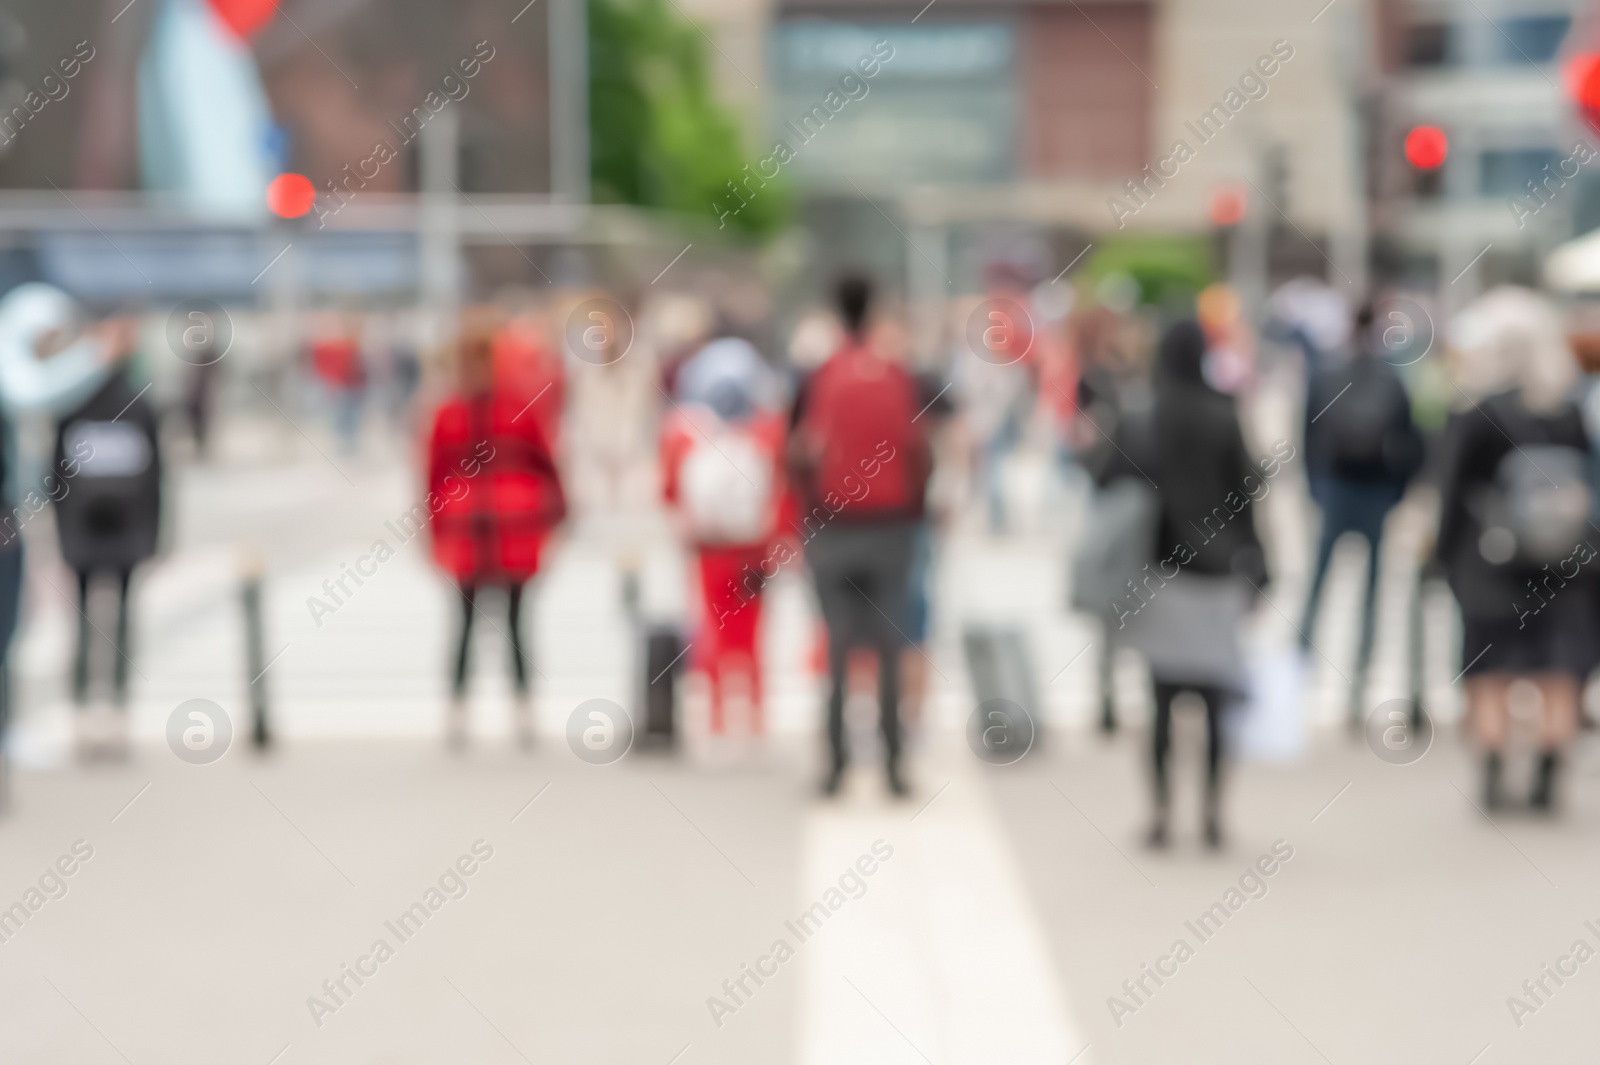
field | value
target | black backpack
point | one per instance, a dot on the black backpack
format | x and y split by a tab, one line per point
108	456
1362	423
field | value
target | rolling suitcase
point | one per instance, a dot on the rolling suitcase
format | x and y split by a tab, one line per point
663	662
999	665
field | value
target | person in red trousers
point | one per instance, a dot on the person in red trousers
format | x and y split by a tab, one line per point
722	453
496	496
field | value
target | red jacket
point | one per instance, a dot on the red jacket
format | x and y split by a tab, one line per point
337	361
493	489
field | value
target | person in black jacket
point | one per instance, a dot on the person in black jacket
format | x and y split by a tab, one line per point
109	520
1361	450
1516	542
1186	442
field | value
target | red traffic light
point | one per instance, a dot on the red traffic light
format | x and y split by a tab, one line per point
1227	206
1582	75
244	17
1426	147
290	195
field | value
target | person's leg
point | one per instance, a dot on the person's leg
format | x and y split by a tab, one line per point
913	676
724	614
886	581
10	601
80	661
120	667
889	707
522	707
833	591
1558	694
1160	747
1332	529
1486	705
469	593
456	724
746	651
1374	512
838	654
1216	703
519	656
1106	660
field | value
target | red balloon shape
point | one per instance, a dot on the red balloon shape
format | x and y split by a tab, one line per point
290	195
1426	147
245	17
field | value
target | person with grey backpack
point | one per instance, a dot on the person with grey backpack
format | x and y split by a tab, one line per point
1516	539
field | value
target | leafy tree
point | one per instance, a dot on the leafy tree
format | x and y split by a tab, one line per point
658	137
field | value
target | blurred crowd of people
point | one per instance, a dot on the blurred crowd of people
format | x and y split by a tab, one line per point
847	453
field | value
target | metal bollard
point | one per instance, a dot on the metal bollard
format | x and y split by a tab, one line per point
255	649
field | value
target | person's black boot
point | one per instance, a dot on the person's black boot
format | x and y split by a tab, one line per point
1544	784
1213	820
1156	838
831	782
1492	799
897	781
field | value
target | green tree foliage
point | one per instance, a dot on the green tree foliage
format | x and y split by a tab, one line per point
658	137
1169	269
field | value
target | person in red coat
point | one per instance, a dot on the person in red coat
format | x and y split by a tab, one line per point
493	474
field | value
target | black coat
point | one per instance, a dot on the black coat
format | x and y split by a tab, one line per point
108	457
1476	440
1186	441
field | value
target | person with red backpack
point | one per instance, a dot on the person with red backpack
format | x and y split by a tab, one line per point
722	457
496	496
862	463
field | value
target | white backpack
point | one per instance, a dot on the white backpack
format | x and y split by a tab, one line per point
726	487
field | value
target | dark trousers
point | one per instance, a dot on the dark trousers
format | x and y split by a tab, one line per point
10	603
1162	737
119	668
862	574
519	660
1350	506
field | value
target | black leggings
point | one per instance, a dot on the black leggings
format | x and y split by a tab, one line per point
1162	736
80	668
519	661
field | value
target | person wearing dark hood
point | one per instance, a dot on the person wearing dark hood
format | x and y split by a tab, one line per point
1362	449
1185	609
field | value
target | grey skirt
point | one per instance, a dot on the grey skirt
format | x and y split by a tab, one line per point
1188	630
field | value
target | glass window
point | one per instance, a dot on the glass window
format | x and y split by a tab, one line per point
1534	39
941	105
1507	172
1428	44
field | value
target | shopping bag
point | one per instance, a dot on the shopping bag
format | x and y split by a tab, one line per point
1270	724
